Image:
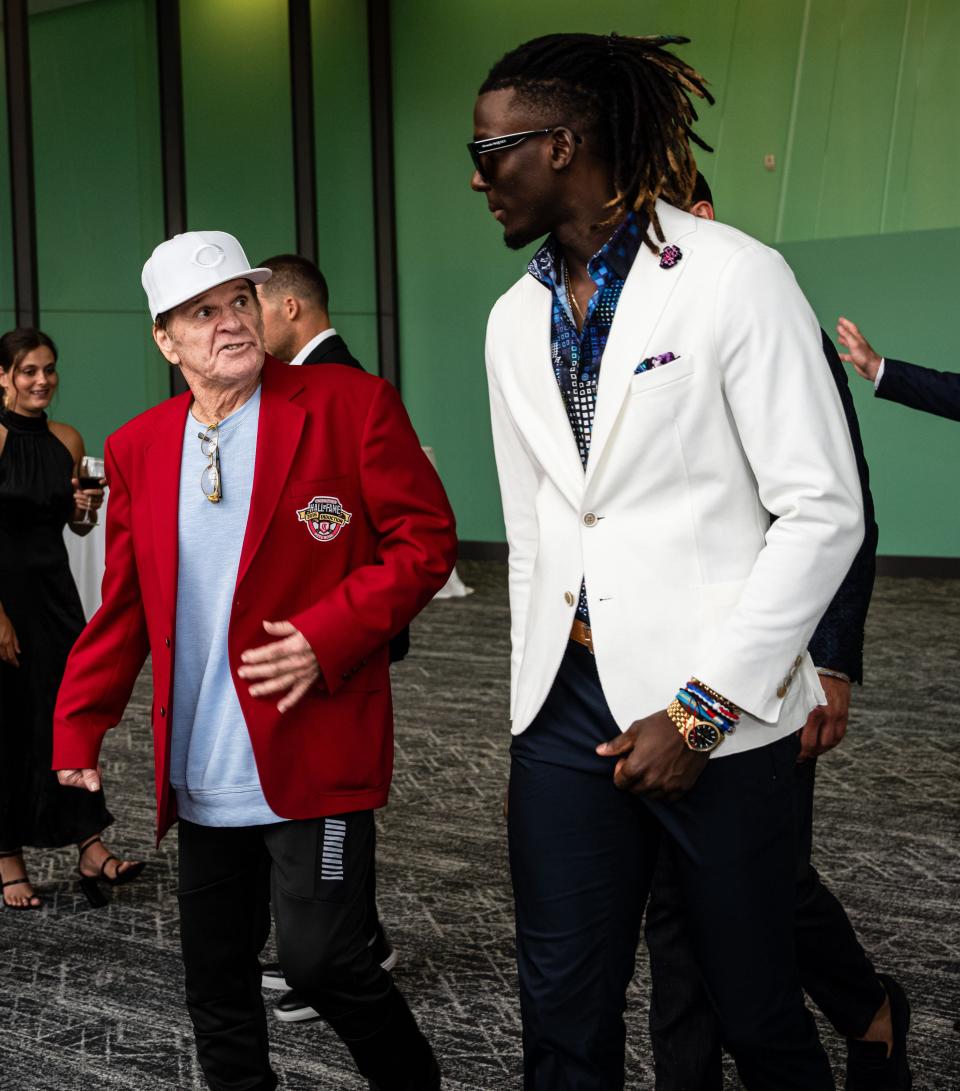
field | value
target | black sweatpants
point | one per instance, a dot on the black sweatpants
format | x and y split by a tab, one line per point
582	857
315	872
834	969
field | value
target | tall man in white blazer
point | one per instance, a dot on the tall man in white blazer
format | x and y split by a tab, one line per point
657	390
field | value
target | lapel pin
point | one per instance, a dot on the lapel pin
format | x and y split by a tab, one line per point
669	256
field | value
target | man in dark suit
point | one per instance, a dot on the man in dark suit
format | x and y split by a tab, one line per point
870	1010
295	302
296	314
923	388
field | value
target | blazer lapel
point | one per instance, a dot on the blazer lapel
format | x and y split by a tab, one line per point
162	457
278	436
646	293
541	413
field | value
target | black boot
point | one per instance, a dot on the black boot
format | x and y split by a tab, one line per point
397	1057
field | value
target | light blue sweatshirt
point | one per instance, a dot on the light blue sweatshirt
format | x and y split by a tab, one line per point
212	767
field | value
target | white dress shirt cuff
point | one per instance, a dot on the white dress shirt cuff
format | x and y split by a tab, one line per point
879	376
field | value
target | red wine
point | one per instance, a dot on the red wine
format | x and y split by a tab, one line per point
90	483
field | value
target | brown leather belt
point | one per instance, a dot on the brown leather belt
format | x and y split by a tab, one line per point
582	635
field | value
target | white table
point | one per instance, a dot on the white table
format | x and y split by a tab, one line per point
87	561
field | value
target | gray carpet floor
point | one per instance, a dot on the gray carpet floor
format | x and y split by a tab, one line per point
93	999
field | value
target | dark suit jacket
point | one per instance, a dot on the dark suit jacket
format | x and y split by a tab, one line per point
333	350
921	388
838	640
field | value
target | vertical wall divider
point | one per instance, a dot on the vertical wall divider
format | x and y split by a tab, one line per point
384	208
169	68
304	139
20	133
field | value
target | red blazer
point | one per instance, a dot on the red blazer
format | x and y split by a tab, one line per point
332	434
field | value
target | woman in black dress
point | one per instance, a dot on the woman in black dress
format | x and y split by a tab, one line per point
40	618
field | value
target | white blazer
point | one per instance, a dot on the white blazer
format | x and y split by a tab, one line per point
669	524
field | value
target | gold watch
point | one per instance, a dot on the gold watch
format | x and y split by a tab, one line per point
701	736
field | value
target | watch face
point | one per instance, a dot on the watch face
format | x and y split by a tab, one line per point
702	736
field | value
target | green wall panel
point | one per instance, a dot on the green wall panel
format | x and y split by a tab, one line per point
99	204
925	153
913	456
345	171
237	122
754	102
854	166
874	95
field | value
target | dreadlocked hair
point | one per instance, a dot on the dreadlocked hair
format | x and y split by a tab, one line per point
632	95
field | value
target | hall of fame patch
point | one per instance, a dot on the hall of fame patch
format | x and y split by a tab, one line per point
325	517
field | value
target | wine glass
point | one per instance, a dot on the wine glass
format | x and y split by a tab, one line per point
91	472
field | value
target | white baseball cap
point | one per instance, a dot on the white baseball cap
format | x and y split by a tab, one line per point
191	263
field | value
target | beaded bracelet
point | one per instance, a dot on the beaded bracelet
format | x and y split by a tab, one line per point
709	705
702	711
729	714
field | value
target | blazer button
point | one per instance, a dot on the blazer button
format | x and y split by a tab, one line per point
568	598
590	520
781	691
166	641
163	711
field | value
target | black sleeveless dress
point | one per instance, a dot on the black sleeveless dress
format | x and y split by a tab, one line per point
40	598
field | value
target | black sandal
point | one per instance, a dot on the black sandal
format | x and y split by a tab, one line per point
89	884
23	880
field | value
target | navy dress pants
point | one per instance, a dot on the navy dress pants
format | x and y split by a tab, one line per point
582	858
834	970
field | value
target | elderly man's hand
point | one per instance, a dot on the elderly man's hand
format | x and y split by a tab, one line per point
859	352
827	724
90	779
9	645
287	665
654	759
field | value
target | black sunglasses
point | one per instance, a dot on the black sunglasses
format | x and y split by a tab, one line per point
477	148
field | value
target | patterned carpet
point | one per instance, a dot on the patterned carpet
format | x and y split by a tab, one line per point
93	999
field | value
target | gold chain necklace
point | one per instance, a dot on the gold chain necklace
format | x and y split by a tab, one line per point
577	313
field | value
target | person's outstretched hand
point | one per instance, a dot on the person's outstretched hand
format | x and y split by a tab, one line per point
859	352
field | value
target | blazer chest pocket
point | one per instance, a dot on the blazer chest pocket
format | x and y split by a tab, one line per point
665	375
306	487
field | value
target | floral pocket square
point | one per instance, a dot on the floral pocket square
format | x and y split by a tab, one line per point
654	361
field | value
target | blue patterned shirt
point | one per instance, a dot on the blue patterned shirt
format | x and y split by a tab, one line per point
576	355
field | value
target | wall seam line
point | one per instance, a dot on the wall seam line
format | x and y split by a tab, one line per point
792	123
897	92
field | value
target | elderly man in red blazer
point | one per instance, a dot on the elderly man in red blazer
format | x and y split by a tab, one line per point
268	531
